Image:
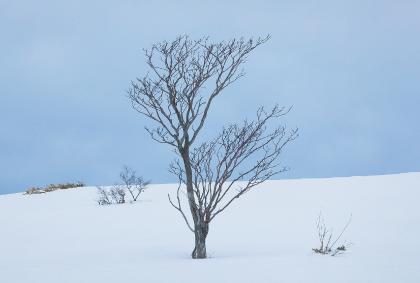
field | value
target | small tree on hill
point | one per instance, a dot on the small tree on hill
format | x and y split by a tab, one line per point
174	99
133	183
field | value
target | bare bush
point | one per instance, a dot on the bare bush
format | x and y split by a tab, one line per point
133	183
103	198
117	193
325	236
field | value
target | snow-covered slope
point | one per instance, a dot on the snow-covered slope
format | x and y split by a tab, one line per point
265	236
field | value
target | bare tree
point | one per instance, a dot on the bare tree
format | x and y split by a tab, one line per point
216	162
182	71
134	184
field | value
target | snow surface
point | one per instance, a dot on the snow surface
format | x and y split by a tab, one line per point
265	236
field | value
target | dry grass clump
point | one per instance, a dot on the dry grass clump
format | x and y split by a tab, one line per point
53	187
325	237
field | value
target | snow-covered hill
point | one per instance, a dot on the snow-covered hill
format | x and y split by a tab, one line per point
265	236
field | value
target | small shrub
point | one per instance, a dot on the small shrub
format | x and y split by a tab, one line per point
53	187
325	237
103	197
117	193
134	184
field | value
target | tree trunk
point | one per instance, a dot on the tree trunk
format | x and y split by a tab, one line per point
200	227
201	232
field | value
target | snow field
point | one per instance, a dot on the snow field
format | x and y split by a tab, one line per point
265	236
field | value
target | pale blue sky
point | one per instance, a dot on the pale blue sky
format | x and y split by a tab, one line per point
350	69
